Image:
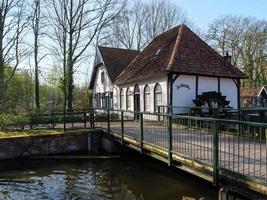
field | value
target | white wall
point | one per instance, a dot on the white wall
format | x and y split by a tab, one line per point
104	87
151	83
100	87
184	91
206	84
229	89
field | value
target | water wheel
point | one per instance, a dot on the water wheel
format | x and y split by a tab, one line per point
210	104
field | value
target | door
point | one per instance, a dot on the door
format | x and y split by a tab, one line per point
136	101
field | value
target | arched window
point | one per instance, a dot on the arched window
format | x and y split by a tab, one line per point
121	99
136	89
157	96
147	99
128	99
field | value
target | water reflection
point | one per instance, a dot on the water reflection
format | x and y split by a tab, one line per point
123	179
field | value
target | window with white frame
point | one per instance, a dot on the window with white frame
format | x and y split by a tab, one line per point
121	99
147	99
157	96
128	99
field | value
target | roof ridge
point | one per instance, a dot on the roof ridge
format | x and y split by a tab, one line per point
177	42
99	46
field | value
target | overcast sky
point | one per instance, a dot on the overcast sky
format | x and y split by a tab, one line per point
203	12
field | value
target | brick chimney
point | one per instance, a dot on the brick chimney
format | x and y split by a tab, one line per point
227	57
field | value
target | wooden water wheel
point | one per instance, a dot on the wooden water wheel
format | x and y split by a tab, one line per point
211	104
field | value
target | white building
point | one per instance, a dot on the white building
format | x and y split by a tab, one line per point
108	64
175	69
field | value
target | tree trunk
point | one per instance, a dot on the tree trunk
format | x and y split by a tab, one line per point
36	51
2	71
36	80
70	63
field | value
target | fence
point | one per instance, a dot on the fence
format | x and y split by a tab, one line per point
232	146
235	146
51	120
256	114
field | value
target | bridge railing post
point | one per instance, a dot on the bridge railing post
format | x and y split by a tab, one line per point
266	153
64	119
141	132
108	119
215	157
84	119
122	126
169	131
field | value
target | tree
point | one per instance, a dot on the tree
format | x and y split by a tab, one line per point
13	22
141	22
75	24
18	91
35	24
245	39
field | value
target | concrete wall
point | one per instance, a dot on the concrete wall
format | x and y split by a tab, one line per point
45	145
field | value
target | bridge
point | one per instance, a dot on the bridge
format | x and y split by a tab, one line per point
217	150
214	149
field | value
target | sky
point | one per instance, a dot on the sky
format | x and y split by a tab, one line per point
203	12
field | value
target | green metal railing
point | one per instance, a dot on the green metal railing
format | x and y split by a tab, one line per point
235	146
256	114
62	119
239	147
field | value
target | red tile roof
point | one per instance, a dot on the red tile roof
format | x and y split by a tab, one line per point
115	60
251	91
177	50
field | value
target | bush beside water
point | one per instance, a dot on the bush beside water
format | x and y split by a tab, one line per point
9	121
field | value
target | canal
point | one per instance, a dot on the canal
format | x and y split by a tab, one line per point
130	177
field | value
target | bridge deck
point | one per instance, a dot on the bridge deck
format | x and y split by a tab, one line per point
243	155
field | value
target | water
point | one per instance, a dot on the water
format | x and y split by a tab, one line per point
126	178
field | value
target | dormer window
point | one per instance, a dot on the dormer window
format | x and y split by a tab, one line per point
157	53
102	77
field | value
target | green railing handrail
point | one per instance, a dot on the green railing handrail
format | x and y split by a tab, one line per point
264	125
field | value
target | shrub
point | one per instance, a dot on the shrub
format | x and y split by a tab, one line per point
6	121
9	121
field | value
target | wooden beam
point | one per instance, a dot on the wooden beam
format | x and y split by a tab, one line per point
235	81
219	84
238	93
196	86
176	76
169	89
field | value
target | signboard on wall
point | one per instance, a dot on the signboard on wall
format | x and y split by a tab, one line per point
183	86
